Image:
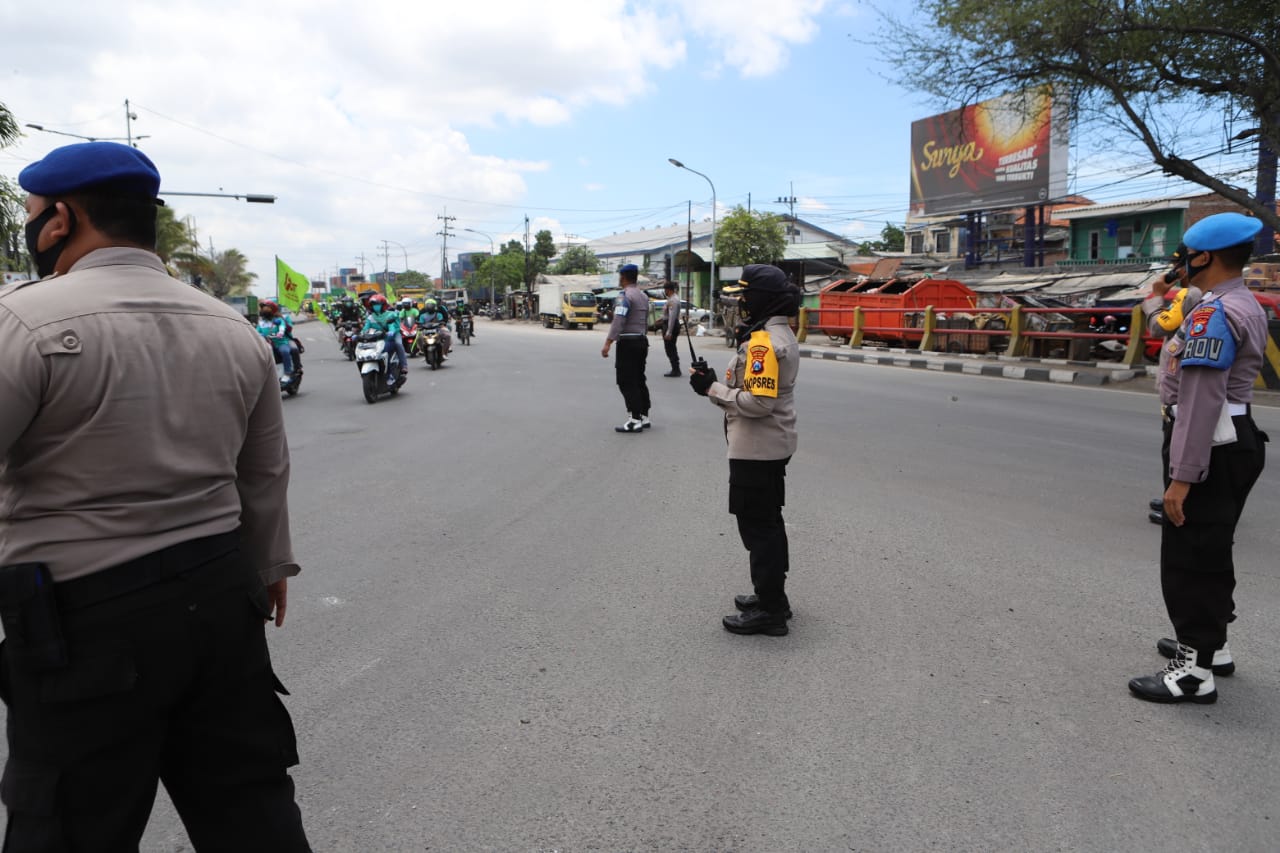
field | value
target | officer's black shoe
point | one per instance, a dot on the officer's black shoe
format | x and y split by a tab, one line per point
752	602
1182	680
1223	664
675	371
756	622
1157	505
1156	516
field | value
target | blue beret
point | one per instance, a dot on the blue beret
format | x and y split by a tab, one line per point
102	165
1221	231
629	268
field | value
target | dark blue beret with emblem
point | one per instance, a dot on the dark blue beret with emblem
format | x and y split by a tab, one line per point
632	268
99	166
1221	231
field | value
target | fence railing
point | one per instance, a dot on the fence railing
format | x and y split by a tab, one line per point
1011	331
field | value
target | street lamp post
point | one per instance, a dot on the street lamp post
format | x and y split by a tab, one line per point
129	139
493	287
252	198
679	165
386	273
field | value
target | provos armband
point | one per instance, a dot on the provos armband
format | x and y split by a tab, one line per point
761	375
1210	342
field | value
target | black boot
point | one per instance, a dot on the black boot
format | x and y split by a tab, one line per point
756	622
752	602
675	371
1185	679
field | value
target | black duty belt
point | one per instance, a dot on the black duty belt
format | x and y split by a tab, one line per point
145	571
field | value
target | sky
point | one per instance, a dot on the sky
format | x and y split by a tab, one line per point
370	122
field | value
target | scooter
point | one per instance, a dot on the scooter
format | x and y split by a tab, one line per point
377	366
289	384
347	334
429	344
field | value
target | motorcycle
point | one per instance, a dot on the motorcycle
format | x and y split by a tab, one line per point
289	384
347	334
428	343
464	330
409	334
377	365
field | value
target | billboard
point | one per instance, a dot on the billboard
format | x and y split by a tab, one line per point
1010	151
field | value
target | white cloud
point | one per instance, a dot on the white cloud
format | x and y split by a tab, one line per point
355	117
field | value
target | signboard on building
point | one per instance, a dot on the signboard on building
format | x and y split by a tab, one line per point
1010	151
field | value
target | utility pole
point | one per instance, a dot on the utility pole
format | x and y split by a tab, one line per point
445	234
791	202
128	119
386	263
528	283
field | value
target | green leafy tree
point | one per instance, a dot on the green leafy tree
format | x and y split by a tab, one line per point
544	249
749	237
892	239
506	269
175	240
228	274
1135	69
9	131
414	278
577	260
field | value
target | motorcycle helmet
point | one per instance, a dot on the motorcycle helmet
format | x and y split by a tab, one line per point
405	303
268	309
430	306
377	303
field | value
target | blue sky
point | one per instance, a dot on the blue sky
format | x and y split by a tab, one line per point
368	124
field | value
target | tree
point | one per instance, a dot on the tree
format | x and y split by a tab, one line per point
9	131
892	239
544	249
1144	69
577	260
749	237
228	274
507	269
174	237
413	278
13	211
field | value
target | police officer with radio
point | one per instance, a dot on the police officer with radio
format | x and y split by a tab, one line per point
757	397
1213	454
144	534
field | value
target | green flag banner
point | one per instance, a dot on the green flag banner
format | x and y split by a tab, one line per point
391	293
291	286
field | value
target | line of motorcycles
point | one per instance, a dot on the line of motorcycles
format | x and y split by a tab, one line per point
376	361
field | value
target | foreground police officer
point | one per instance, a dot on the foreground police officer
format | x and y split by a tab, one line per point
144	538
758	399
1213	455
629	329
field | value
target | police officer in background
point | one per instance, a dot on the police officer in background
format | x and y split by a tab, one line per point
1213	455
1164	320
144	538
758	399
629	329
671	327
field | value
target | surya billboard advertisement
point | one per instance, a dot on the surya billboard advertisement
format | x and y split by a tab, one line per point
1010	151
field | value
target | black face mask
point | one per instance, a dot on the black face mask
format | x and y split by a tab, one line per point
1192	272
48	259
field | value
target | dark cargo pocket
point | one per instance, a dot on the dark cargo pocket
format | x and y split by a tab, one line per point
288	737
89	677
29	788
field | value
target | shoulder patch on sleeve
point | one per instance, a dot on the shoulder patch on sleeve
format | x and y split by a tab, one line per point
1210	342
761	375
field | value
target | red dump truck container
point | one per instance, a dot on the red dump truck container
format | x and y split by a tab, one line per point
891	309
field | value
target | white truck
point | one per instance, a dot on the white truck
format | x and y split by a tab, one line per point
564	305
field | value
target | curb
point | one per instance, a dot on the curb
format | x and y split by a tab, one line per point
1032	370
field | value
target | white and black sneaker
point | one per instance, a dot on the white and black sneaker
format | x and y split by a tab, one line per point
644	422
1182	680
632	425
1223	664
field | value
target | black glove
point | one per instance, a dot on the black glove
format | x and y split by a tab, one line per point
702	378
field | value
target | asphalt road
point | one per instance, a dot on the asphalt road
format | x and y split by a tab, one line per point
506	635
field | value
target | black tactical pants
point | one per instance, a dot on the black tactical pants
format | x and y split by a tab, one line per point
757	493
1197	575
169	683
673	351
628	363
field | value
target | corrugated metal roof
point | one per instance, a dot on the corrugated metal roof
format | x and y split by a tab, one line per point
1181	202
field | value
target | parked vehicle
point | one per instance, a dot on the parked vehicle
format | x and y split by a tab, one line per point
559	306
377	366
690	314
893	309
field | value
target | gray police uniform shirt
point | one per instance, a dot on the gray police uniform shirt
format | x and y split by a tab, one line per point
1199	390
758	394
137	413
671	316
630	318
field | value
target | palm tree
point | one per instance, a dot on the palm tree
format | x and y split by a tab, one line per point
9	132
12	210
173	235
228	274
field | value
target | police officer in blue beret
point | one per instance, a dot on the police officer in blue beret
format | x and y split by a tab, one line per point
1213	454
144	533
